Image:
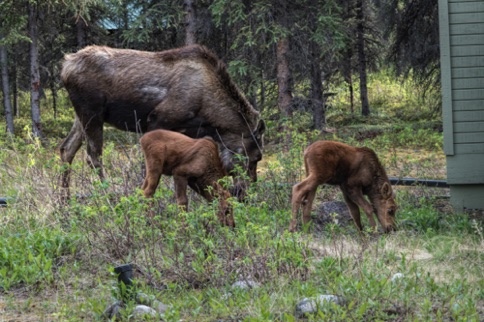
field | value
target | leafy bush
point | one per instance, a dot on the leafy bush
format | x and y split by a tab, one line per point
32	256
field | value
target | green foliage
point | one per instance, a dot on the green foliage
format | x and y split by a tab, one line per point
12	24
390	98
31	256
190	246
187	260
419	214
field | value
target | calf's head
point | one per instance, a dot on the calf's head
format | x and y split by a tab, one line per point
386	207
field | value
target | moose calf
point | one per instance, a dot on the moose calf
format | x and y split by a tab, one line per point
192	162
357	171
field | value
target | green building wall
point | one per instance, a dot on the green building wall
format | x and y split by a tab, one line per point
462	71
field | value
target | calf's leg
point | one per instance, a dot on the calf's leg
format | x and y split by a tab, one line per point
225	213
355	194
181	184
154	170
354	211
303	193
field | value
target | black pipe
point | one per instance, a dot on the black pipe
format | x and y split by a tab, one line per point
415	182
393	180
3	202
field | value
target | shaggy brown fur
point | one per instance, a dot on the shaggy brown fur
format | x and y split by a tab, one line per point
357	171
187	90
192	162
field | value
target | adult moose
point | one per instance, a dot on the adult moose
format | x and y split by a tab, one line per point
187	90
192	162
357	171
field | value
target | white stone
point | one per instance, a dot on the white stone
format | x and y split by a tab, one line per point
142	310
397	276
245	284
311	305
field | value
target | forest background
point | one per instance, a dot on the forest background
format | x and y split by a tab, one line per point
285	57
365	72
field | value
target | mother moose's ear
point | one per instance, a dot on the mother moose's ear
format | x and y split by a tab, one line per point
260	129
386	190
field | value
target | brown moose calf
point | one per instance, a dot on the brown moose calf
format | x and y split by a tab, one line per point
357	171
192	162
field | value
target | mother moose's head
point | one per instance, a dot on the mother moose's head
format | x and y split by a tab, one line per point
242	152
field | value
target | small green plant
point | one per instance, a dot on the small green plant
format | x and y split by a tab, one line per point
30	256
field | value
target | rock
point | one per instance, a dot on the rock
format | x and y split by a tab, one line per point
332	212
113	311
145	299
396	277
159	307
245	284
143	310
312	305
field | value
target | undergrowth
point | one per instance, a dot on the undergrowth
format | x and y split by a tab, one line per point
188	261
57	259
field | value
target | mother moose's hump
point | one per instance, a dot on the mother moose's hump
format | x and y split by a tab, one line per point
186	90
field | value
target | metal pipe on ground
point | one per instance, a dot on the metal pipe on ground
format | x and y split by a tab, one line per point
3	202
417	182
393	180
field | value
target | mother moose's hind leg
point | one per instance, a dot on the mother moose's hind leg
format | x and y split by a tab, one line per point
94	139
68	150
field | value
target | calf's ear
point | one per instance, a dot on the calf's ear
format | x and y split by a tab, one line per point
386	190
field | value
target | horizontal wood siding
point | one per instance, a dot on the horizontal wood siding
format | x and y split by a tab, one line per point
468	105
462	66
466	47
459	40
463	168
467	196
475	149
468	83
466	127
468	116
456	7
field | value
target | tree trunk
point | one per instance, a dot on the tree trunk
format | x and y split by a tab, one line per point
360	30
348	77
6	89
349	81
284	80
190	22
16	110
54	98
316	94
34	71
81	34
262	90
